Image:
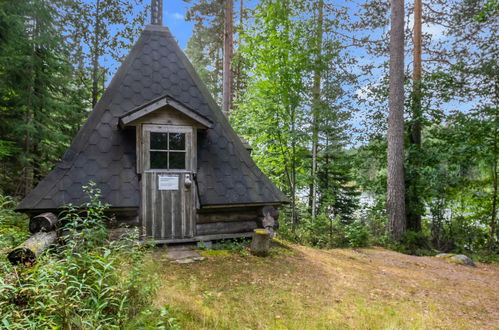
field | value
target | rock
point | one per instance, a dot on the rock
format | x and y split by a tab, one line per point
457	258
462	259
187	260
182	254
444	255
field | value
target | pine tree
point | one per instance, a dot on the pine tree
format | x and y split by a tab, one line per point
205	47
396	189
97	28
35	79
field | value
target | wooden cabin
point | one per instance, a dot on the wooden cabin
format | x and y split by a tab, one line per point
163	154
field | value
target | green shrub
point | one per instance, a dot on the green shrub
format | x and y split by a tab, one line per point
357	234
234	245
91	283
415	243
13	225
324	232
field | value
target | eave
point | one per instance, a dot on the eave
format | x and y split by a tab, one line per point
143	110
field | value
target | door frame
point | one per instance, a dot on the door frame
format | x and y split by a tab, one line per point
189	211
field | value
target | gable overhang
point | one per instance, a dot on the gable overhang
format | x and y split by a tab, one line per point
143	110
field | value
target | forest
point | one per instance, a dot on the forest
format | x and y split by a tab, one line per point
379	120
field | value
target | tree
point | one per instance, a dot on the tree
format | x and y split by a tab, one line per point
228	53
315	106
35	81
205	47
414	205
395	184
89	25
271	114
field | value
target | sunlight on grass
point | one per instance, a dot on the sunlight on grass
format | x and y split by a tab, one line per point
304	288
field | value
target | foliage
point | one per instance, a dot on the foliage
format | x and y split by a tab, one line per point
303	91
205	46
282	114
13	226
324	232
236	245
86	283
93	42
35	81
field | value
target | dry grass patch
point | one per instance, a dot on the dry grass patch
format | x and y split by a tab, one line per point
306	288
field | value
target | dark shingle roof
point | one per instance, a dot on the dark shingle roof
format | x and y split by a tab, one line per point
103	153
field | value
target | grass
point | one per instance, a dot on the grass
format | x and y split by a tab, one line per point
304	288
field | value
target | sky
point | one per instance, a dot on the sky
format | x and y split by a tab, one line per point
174	18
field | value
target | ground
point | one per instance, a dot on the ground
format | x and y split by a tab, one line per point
305	288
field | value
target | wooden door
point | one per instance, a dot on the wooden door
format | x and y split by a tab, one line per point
168	188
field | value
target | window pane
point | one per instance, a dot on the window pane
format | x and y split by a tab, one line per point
177	141
177	160
158	160
158	141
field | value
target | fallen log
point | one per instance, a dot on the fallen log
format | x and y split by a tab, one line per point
27	252
43	222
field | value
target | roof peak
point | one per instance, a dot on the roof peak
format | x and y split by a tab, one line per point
153	27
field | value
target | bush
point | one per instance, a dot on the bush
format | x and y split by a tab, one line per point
415	243
357	234
327	233
13	226
91	283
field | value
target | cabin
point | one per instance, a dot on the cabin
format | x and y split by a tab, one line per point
162	152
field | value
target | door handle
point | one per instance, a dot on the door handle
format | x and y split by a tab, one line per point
187	181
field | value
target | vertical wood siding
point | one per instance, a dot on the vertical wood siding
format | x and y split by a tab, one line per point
167	214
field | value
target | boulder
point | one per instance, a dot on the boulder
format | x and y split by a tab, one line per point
462	259
457	258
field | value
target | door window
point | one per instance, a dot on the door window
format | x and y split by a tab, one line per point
167	151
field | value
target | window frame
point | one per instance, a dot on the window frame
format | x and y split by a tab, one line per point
146	150
168	150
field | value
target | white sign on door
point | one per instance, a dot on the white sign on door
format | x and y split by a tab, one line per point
168	182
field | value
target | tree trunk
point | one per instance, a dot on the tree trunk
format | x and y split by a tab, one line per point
414	207
44	222
228	52
95	55
493	220
238	79
395	186
315	111
27	252
294	215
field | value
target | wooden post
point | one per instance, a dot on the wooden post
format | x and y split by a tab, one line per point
260	243
43	222
27	252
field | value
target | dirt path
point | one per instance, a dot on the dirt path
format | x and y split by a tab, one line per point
305	288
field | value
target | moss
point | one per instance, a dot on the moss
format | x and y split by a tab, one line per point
213	253
278	251
456	261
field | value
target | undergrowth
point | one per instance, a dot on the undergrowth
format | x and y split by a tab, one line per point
86	283
13	226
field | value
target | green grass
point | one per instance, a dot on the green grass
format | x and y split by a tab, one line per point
304	288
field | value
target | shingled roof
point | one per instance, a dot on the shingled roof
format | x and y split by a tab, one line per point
105	154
